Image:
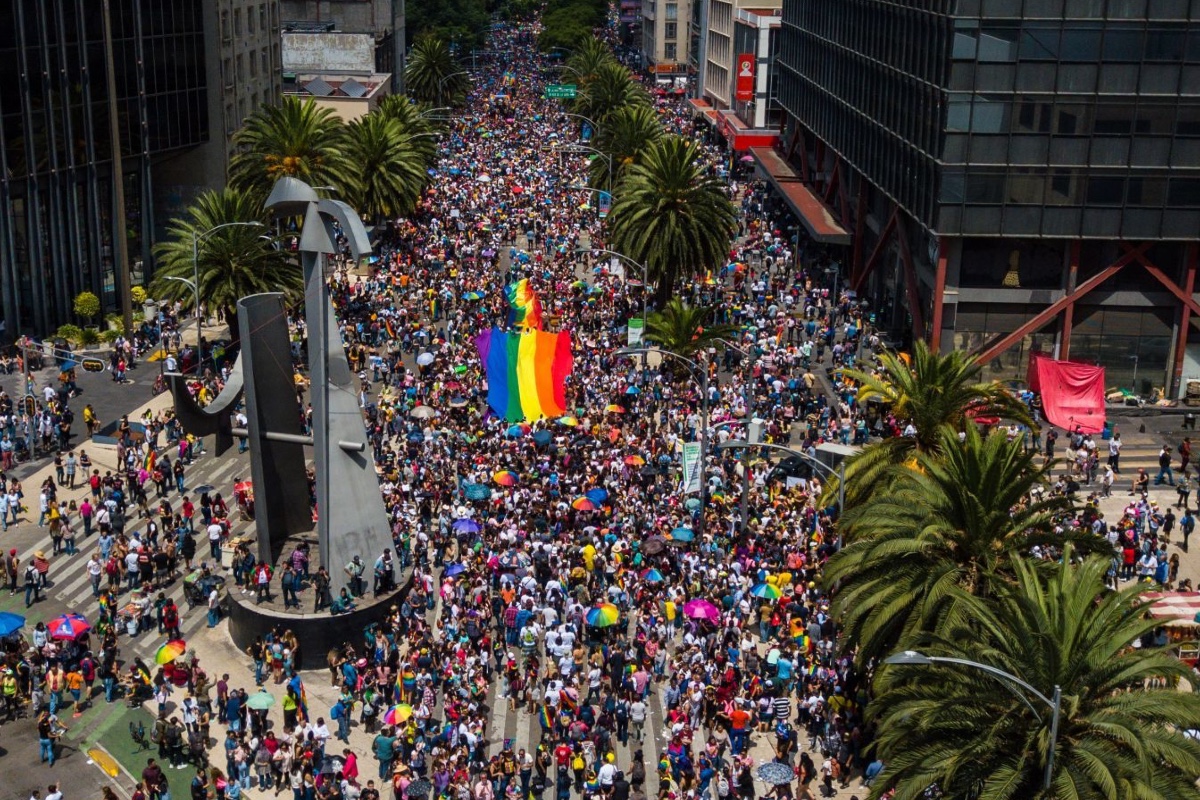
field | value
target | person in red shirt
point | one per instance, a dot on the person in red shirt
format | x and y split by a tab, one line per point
739	723
188	510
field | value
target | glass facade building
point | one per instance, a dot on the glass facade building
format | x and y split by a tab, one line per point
1027	146
56	193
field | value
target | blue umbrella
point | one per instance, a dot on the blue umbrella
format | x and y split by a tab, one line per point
543	437
452	570
633	390
10	623
682	534
596	495
514	431
477	491
416	436
466	525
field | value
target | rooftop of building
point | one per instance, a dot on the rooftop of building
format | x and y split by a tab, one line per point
335	84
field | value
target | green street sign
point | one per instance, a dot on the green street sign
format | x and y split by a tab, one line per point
560	91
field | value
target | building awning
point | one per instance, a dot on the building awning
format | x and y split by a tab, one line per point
702	108
741	136
818	218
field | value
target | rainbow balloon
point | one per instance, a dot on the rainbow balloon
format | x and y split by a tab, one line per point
526	372
525	310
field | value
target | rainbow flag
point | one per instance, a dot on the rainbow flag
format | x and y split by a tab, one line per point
546	719
526	372
391	329
150	460
525	310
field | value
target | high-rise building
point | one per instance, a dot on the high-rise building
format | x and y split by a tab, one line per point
666	43
380	18
1004	176
57	225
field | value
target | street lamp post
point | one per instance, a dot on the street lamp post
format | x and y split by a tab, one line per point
196	239
815	463
645	277
701	376
913	658
443	80
608	159
748	394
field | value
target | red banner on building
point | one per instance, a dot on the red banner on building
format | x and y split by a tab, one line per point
744	89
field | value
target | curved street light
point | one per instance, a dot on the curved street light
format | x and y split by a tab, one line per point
443	80
914	658
701	377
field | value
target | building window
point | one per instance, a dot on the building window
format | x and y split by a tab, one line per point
672	11
669	52
237	22
670	30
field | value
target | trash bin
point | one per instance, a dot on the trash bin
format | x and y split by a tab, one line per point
1189	421
227	551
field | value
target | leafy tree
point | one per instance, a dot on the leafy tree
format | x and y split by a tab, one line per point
432	75
930	390
417	121
588	57
1123	731
386	172
684	329
672	215
610	88
955	519
294	139
87	305
464	23
624	136
234	262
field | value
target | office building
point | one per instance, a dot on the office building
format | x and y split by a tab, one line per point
665	40
1003	176
57	225
379	18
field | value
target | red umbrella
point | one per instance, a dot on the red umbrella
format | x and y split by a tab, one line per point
69	627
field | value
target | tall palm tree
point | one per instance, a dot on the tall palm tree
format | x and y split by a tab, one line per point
930	390
684	329
955	519
233	262
295	139
415	120
624	136
386	167
1123	731
611	87
672	215
432	74
589	56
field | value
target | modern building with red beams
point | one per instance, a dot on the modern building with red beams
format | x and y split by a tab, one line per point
1004	176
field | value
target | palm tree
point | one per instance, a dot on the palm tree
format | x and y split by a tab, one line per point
956	519
233	262
930	390
1123	731
672	215
624	136
589	56
416	121
432	74
386	167
611	87
296	139
683	329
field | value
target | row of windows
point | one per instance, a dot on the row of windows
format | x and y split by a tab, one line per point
1157	10
1000	113
1066	187
1075	41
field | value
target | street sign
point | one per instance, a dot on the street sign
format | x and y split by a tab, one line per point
560	91
93	365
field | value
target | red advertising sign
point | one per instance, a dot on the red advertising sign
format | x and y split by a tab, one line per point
745	78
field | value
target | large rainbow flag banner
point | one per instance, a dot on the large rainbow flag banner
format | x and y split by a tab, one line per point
524	308
526	372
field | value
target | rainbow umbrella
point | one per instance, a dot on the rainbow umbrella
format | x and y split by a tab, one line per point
570	422
505	477
652	576
170	651
583	504
767	591
603	615
635	461
613	408
398	714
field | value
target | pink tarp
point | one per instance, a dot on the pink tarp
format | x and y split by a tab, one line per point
1072	393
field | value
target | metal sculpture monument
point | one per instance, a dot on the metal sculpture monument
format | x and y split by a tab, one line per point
350	512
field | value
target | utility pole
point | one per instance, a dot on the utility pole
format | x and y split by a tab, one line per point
121	249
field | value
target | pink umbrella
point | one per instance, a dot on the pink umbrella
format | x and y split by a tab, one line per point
702	609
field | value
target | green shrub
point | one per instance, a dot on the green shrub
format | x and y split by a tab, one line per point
138	295
87	305
72	333
109	336
90	336
115	322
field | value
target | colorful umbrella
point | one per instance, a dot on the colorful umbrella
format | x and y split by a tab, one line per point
68	626
597	495
570	422
583	504
652	576
260	700
398	714
170	651
701	609
453	569
766	591
613	408
466	526
635	461
603	615
515	431
505	478
477	491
